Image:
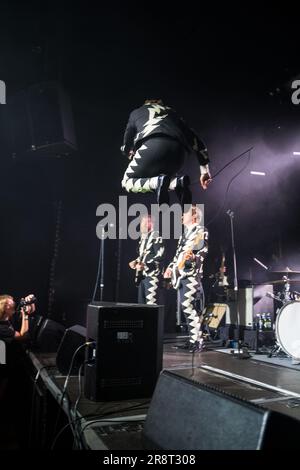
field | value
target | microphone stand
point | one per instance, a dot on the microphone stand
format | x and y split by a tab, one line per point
102	265
240	353
257	322
118	276
100	270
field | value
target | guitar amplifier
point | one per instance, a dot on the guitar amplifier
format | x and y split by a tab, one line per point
252	301
244	307
214	314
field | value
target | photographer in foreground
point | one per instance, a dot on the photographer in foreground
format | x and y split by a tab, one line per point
14	377
8	309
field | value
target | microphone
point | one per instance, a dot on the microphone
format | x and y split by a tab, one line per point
103	227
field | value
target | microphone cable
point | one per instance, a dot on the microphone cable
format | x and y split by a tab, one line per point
233	160
221	208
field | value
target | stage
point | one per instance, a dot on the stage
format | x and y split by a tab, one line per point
119	425
273	386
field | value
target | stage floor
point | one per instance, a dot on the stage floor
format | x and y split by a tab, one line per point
273	386
268	384
273	383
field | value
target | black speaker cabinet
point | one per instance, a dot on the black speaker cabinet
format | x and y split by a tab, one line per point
49	336
185	415
72	339
127	358
40	122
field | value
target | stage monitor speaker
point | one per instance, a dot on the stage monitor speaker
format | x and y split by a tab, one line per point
40	122
127	359
35	323
73	338
49	336
185	415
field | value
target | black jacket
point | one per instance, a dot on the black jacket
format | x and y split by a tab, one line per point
151	253
152	120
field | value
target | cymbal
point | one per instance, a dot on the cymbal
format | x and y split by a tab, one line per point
285	270
280	281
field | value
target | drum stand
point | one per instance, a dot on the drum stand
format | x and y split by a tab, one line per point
277	351
286	289
286	294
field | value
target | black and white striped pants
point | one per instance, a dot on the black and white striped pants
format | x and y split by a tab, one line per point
156	156
192	303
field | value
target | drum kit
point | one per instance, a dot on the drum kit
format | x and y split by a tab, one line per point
287	324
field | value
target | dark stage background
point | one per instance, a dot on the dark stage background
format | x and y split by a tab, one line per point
227	74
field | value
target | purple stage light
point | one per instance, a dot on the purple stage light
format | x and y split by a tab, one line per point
258	173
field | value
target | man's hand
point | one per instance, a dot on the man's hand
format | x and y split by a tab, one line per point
131	154
189	255
133	264
139	266
205	180
168	273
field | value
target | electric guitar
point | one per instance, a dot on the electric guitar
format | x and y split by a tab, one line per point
138	277
222	278
139	272
178	268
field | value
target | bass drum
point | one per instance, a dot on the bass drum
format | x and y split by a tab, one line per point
288	329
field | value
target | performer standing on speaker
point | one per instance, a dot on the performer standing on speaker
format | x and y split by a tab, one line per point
148	265
156	141
186	273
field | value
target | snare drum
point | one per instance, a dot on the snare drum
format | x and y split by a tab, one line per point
288	329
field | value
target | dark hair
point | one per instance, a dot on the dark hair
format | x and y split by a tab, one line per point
154	102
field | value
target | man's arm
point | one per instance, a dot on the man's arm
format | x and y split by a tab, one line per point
198	146
158	250
202	248
155	254
198	253
129	135
203	160
168	271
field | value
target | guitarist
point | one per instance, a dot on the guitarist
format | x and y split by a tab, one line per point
148	265
188	263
